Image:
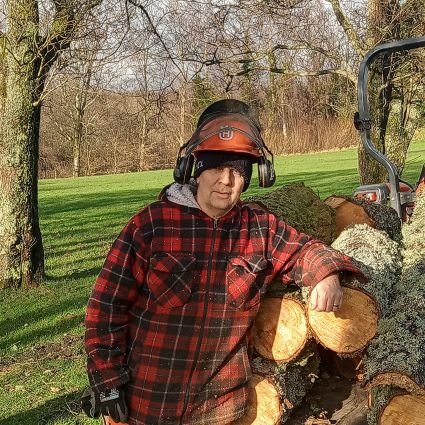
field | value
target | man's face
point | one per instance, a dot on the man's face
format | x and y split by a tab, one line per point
219	189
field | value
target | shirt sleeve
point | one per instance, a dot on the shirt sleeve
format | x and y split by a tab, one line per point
299	258
106	318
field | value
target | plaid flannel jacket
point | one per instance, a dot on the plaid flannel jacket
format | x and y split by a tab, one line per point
170	311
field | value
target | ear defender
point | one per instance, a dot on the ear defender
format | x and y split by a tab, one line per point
266	173
184	166
183	169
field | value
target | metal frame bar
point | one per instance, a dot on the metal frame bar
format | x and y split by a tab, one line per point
364	112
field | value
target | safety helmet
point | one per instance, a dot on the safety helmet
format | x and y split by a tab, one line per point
228	132
228	125
229	106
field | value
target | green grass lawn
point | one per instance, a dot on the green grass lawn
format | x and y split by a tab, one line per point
42	365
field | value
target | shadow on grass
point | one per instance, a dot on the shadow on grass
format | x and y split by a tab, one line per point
59	327
91	272
65	408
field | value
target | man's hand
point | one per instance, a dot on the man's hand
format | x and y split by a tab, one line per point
108	403
327	294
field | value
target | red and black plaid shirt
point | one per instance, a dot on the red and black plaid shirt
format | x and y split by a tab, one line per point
170	311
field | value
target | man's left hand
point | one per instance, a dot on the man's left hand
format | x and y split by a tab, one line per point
327	294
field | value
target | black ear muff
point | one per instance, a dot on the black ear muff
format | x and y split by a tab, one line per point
266	174
183	169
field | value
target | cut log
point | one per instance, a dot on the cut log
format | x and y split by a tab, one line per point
404	409
277	388
393	406
301	208
264	405
351	211
280	329
349	330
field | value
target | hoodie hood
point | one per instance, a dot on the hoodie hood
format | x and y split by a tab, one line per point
183	194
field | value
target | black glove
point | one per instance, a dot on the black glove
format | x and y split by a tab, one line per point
108	403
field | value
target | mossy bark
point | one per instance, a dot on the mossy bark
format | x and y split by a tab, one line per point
21	252
378	257
301	208
380	396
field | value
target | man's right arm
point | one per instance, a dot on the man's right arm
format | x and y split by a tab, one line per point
106	320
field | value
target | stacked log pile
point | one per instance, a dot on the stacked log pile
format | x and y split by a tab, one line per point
395	361
379	317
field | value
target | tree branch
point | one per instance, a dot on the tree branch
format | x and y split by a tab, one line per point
291	74
155	31
59	37
346	25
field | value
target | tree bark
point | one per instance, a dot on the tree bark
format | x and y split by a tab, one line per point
393	406
29	57
21	252
378	256
390	101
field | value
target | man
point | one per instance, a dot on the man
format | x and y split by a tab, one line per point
168	320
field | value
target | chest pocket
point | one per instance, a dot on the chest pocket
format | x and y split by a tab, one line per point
245	280
170	278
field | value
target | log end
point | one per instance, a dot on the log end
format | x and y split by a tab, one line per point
349	330
280	329
404	409
264	406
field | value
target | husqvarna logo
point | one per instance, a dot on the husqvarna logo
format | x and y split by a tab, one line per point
226	133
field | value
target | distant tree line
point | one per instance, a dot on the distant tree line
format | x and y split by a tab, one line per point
116	132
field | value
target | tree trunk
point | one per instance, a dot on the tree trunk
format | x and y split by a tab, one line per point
21	247
77	139
390	102
3	74
143	139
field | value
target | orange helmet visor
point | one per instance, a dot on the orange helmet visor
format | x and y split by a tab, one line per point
229	133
